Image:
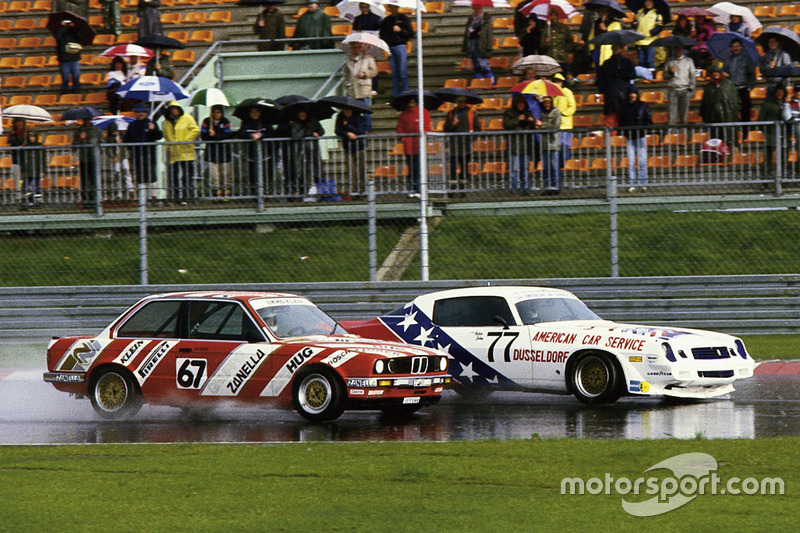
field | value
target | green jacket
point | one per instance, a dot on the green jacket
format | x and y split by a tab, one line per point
316	24
561	43
720	103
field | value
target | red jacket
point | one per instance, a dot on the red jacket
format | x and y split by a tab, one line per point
409	123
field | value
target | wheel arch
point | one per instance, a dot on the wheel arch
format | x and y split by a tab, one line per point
305	369
97	371
576	355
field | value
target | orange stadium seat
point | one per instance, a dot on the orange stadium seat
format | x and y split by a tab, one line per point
170	18
660	118
504	82
30	42
20	99
95	99
765	11
40	80
183	55
56	139
466	64
195	17
495	124
425	26
182	36
434	7
576	165
5	24
45	100
653	97
341	29
687	161
652	140
455	83
789	10
592	142
18	6
506	23
674	139
69	99
693	117
42	5
495	167
204	36
25	24
104	39
509	42
480	83
14	81
10	62
659	161
582	121
491	103
130	38
331	11
219	17
397	150
501	62
34	61
755	136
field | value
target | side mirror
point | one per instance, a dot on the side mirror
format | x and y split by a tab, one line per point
500	321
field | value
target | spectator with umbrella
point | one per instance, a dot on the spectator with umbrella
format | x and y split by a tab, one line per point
258	116
557	42
351	126
214	129
68	52
180	127
149	18
780	44
87	139
116	76
396	31
408	123
367	21
359	70
304	130
33	161
742	72
160	65
649	22
567	105
720	104
521	150
633	114
532	39
614	77
462	119
17	136
683	26
606	11
704	28
478	41
143	156
270	26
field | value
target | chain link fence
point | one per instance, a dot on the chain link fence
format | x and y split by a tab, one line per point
494	205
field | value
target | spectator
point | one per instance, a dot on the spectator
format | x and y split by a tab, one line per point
634	113
32	163
567	106
137	68
520	19
649	23
149	18
180	127
720	104
461	119
270	26
68	53
531	41
683	26
259	153
160	65
704	29
557	42
603	23
87	139
111	17
314	23
551	120
17	137
117	75
217	128
117	165
775	109
614	77
794	125
396	31
143	157
737	25
742	73
359	70
79	7
408	122
774	57
307	164
529	74
680	76
351	126
518	118
368	22
478	41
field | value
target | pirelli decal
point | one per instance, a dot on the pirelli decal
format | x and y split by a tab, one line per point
151	361
236	370
284	375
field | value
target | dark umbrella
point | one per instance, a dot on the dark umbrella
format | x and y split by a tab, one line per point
269	110
290	99
260	2
694	12
430	100
611	5
788	39
85	31
346	102
719	46
661	6
784	71
318	110
618	37
674	40
452	94
159	42
78	113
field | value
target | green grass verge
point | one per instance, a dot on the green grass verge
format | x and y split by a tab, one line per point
422	486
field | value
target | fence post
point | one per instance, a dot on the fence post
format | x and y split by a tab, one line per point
260	174
372	229
780	132
98	203
611	194
142	234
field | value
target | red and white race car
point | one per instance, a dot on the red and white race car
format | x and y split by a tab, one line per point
196	349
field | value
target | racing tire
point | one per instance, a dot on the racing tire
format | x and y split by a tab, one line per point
318	394
595	379
114	395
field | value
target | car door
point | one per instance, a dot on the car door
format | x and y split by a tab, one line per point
486	328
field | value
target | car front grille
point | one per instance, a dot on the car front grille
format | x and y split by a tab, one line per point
720	352
715	373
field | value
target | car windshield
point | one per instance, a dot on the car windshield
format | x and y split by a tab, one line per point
293	317
554	310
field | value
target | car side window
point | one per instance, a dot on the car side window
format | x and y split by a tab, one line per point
157	319
219	321
471	311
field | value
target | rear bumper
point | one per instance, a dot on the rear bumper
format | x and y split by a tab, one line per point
64	377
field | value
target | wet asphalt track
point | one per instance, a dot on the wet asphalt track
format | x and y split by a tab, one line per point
33	412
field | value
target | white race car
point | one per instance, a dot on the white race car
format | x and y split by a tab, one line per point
546	340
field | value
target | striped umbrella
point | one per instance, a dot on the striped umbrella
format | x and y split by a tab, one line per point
541	8
127	50
104	121
152	89
484	3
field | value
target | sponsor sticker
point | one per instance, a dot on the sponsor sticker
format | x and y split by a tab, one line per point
411	400
236	370
339	357
357	392
284	375
150	362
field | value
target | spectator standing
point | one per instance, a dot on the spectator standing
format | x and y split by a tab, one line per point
532	40
137	68
557	41
116	76
775	109
683	27
461	119
68	53
396	30
614	77
478	42
649	23
359	70
143	158
160	65
117	165
368	22
408	122
305	130
149	18
111	17
313	23
742	73
180	127
258	129
720	104
351	126
270	26
520	19
602	24
680	76
32	163
87	139
634	112
217	128
567	105
704	28
794	124
518	118
550	120
737	25
17	137
774	57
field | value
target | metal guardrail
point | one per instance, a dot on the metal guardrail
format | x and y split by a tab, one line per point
757	304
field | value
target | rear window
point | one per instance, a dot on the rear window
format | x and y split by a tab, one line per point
155	320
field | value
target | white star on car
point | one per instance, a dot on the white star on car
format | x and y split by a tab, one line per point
467	371
408	321
443	348
424	336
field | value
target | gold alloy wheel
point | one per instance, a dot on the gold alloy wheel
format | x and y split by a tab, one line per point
315	393
592	376
111	392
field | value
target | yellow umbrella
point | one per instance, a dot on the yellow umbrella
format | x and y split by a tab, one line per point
542	88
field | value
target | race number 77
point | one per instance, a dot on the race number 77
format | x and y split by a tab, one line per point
512	335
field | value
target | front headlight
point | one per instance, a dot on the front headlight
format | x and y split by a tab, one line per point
379	366
442	364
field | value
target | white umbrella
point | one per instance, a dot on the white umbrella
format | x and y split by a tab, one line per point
350	9
542	65
484	3
377	47
405	4
28	112
723	11
104	121
152	89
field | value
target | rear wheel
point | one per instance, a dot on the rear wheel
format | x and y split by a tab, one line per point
318	395
114	395
594	379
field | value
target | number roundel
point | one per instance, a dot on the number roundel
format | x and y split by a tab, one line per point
190	373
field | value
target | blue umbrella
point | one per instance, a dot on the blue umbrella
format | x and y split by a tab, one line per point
719	46
104	121
152	89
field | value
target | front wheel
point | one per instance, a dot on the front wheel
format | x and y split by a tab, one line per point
114	395
318	395
594	379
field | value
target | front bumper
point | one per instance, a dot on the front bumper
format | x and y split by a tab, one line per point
375	393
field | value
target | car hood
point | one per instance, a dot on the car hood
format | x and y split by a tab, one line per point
653	332
362	345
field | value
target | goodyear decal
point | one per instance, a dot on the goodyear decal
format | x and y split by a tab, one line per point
150	362
130	352
284	375
81	355
236	370
339	358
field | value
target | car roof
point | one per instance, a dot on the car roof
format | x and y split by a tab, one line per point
502	290
217	295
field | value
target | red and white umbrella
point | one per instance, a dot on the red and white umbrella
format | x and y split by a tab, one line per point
484	3
405	4
128	50
541	8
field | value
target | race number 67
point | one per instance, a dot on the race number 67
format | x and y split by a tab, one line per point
191	373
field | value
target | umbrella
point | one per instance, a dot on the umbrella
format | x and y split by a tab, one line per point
85	31
452	94
377	47
723	11
127	50
270	110
618	37
542	65
541	8
694	12
484	3
28	112
157	42
346	102
784	71
611	5
719	46
211	96
290	99
78	113
152	89
318	110
104	121
674	40
661	6
430	100
349	9
260	2
405	4
540	88
788	40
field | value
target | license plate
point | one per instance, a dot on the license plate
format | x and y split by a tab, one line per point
423	382
412	399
